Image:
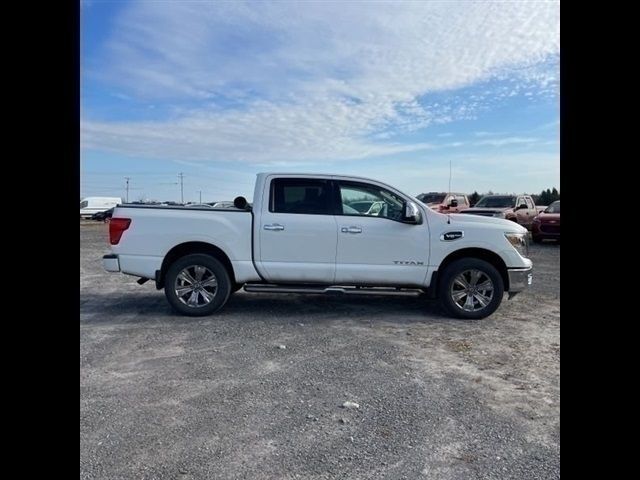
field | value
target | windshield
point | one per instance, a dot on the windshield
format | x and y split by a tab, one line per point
553	208
497	202
431	197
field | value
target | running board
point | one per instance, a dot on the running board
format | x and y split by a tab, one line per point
271	288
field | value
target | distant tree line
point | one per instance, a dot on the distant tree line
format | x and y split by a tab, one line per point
546	197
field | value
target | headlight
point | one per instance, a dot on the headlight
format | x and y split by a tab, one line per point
499	214
519	241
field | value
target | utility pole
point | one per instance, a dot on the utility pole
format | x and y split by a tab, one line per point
181	175
127	179
200	192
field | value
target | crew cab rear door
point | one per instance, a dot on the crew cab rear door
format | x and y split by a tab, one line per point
296	232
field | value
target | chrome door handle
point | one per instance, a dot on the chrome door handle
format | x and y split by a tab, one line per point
274	226
351	230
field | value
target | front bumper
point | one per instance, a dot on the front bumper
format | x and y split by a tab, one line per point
111	263
519	279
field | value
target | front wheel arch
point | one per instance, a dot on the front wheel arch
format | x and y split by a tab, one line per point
470	288
479	253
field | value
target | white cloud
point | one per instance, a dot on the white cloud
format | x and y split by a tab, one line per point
281	82
487	134
501	142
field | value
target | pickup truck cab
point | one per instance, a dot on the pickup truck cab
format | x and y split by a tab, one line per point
301	235
517	208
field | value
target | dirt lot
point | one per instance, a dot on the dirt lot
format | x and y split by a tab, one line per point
165	396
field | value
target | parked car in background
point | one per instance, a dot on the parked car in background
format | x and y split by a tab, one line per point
103	216
91	205
225	204
362	206
517	208
198	205
547	224
445	202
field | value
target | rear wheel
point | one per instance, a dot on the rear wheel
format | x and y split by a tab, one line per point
197	285
471	288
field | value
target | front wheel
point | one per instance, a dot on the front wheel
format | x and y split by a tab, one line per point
470	288
197	285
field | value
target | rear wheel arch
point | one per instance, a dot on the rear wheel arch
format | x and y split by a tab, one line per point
189	248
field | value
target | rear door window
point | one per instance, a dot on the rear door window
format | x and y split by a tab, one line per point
301	196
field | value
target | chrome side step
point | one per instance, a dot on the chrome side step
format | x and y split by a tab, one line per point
339	290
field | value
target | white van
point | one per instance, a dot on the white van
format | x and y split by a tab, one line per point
91	205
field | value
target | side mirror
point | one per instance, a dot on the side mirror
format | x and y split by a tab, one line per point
454	202
411	213
240	203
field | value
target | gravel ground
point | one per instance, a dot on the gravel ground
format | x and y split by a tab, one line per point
170	397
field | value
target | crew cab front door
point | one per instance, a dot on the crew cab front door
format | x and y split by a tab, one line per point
297	231
375	247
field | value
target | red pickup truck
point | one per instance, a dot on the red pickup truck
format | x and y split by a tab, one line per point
517	208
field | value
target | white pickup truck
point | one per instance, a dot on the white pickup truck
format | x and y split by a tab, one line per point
321	234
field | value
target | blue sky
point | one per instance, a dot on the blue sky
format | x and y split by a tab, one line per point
390	90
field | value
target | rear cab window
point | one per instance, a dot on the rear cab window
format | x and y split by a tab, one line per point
301	196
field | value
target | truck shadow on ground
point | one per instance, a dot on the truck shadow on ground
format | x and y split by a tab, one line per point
152	307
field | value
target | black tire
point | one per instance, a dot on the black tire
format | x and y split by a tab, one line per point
194	264
465	266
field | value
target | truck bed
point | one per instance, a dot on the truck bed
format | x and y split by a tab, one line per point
157	229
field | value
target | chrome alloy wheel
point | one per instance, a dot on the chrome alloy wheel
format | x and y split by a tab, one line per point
196	286
472	290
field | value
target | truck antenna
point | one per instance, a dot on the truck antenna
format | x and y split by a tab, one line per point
449	193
